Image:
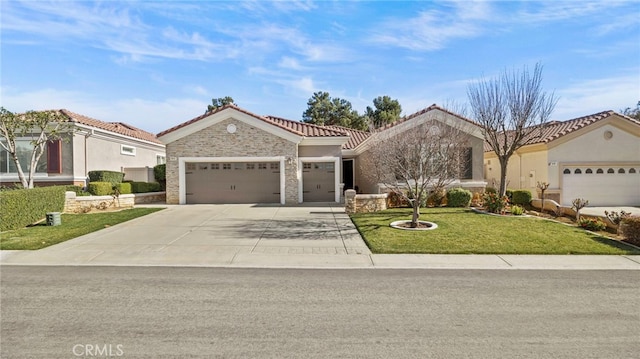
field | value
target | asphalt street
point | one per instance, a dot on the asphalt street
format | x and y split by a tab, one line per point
171	312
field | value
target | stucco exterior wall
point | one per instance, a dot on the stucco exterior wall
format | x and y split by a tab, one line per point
247	141
319	151
524	170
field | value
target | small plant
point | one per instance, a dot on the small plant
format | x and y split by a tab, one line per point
616	217
495	203
542	186
517	210
592	224
458	197
578	204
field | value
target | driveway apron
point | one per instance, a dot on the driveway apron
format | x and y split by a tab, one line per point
216	235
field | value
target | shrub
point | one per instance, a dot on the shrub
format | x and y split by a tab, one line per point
521	197
509	194
517	210
159	172
630	229
396	200
139	187
592	224
23	207
434	198
494	203
112	177
155	187
491	190
124	187
459	197
616	217
100	188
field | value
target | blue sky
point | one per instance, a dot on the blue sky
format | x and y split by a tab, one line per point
157	64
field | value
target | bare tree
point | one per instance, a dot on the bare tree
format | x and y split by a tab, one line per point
416	162
39	127
511	109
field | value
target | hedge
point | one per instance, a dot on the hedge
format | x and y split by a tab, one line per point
124	188
112	177
100	188
630	229
458	197
159	172
521	196
22	207
144	187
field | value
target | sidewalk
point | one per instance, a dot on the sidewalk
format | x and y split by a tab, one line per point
241	259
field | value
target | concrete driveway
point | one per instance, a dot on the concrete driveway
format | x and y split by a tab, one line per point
210	235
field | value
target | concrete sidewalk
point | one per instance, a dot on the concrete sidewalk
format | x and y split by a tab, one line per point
262	236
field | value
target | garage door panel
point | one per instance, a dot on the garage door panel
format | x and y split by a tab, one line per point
223	183
318	182
622	187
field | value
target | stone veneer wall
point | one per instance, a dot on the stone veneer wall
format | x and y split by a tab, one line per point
75	204
247	141
364	203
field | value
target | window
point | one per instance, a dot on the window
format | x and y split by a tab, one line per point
262	166
226	166
238	166
599	171
274	166
24	150
127	150
589	171
632	170
306	166
329	166
577	171
190	166
215	166
621	170
251	166
466	163
203	167
610	170
161	159
318	166
567	171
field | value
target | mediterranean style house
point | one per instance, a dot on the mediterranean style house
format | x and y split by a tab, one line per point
231	155
595	157
89	145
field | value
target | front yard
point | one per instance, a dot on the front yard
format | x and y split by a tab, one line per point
462	231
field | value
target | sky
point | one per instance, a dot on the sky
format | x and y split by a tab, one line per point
156	64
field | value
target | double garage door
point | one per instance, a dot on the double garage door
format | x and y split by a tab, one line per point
602	185
235	182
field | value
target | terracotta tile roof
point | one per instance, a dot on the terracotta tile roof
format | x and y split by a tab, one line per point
295	127
115	127
556	129
422	112
356	137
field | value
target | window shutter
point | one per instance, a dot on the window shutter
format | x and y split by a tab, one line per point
54	156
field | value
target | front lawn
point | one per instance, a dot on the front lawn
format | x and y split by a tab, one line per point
462	231
73	225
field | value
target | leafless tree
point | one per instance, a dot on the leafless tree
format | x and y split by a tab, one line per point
511	109
418	161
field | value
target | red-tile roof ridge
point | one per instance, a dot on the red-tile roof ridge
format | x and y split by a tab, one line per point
120	128
205	115
356	137
421	112
308	129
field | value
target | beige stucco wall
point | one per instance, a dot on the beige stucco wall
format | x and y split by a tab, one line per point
319	151
524	170
247	141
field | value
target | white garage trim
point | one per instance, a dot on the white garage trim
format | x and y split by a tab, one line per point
182	184
335	160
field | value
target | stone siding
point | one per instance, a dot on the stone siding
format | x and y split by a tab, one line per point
74	204
151	197
247	141
364	203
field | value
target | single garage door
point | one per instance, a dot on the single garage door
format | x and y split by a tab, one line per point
602	185
236	182
318	182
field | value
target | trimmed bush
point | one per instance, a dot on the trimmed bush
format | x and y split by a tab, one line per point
517	210
144	187
124	188
112	177
100	188
459	197
155	187
630	229
521	197
159	172
491	190
22	207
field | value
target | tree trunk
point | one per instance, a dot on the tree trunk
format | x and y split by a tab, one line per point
23	179
416	214
504	161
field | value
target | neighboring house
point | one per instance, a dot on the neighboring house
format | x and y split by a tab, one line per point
89	145
595	157
231	155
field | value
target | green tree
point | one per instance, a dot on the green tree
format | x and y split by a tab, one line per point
632	112
216	103
385	111
326	111
40	126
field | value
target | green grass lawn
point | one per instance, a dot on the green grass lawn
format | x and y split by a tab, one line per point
73	225
463	231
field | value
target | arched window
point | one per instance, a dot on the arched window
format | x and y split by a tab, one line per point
599	171
588	171
567	171
610	170
632	170
577	171
621	170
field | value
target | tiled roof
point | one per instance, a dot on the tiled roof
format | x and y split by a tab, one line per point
422	112
115	127
295	127
556	129
356	137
